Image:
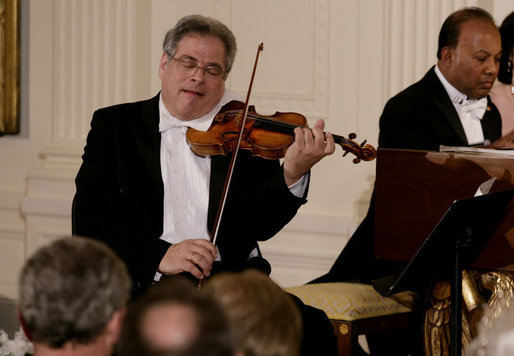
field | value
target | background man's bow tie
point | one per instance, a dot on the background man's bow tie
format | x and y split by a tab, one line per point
475	107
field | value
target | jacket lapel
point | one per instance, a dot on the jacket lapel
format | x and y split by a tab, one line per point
152	143
491	125
444	105
219	168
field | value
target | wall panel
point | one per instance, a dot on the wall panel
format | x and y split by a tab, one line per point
99	55
410	31
93	61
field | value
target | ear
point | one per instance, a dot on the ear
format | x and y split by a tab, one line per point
113	328
447	56
163	65
23	325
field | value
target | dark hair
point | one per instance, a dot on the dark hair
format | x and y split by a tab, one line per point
507	36
213	336
204	26
450	31
70	289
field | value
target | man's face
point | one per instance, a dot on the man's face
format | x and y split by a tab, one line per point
190	93
473	65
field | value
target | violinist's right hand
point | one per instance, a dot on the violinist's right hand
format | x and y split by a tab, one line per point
195	256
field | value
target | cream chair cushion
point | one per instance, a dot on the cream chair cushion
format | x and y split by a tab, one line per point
352	301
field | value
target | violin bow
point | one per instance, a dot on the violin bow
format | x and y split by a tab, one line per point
228	179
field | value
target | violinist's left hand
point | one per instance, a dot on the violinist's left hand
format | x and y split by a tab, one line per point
309	147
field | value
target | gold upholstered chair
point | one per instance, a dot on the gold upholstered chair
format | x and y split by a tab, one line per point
355	309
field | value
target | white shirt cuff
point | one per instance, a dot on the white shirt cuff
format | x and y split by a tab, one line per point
298	188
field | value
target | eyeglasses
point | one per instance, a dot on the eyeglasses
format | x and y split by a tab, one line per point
190	66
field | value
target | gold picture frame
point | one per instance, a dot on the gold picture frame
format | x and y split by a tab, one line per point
9	67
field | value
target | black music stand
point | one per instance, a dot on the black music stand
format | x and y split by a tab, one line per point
454	243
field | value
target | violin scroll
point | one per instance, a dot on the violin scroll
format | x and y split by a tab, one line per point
364	152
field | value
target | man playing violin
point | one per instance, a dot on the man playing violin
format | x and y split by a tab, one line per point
141	190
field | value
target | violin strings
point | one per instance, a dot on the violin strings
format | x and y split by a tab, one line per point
338	139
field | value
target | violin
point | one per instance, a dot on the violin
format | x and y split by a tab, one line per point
265	136
238	126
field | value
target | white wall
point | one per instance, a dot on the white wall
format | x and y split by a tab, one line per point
331	59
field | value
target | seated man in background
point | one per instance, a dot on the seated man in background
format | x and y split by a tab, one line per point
73	294
264	319
173	318
449	106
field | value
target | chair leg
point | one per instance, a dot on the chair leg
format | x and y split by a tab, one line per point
346	340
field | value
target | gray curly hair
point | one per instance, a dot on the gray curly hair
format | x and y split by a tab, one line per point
70	289
204	26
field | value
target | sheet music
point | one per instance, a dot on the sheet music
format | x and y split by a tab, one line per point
485	187
478	150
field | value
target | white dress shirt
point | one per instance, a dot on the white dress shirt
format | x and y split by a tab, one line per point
470	111
186	177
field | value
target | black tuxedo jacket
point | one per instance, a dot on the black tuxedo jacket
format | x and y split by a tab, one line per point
119	196
423	117
420	117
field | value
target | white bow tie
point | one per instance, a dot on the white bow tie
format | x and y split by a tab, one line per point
169	123
474	107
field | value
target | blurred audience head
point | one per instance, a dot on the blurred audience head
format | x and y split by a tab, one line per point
264	319
495	336
73	294
174	319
